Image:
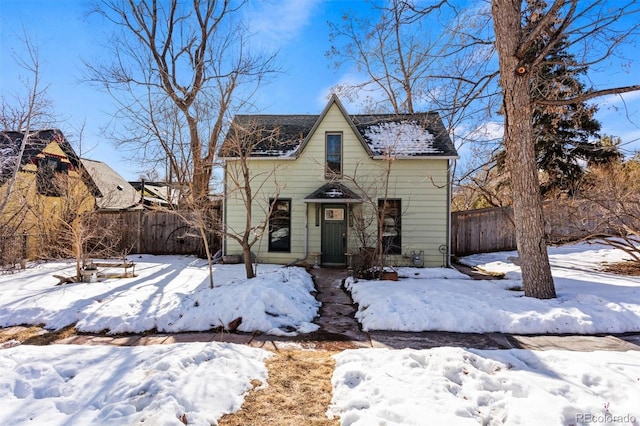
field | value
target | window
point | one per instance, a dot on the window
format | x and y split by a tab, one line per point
390	211
280	226
334	155
51	176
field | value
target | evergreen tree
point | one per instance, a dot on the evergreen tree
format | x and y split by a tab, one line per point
566	136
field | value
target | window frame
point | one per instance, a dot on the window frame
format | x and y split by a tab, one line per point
51	176
328	171
273	203
391	244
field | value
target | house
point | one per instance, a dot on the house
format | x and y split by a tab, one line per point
51	183
328	186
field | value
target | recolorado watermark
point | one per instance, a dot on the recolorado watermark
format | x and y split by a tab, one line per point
585	418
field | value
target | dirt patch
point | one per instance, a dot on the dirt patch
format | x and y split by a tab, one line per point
627	267
36	335
298	392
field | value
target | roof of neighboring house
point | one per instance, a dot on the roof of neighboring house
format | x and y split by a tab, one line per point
117	193
10	142
282	136
157	193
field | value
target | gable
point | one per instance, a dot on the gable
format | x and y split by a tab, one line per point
41	144
420	135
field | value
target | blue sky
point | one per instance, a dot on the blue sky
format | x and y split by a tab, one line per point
297	28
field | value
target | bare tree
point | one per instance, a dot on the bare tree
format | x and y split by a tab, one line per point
580	25
370	218
249	185
22	112
613	194
178	68
591	31
393	54
66	223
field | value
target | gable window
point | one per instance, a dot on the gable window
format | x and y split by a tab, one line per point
390	213
334	155
280	225
51	176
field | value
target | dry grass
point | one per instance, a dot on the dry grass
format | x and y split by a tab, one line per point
299	392
21	335
36	335
52	336
627	267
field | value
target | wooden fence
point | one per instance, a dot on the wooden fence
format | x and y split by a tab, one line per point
162	232
492	229
482	230
139	231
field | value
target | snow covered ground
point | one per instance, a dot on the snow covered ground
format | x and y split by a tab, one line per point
589	300
169	293
455	386
158	384
110	385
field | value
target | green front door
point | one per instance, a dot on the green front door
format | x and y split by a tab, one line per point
334	235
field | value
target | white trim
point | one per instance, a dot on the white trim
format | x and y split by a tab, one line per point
416	157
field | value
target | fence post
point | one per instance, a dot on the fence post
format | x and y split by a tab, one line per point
139	231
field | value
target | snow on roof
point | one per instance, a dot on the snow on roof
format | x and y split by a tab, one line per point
406	138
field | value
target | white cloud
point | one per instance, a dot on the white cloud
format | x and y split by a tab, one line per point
277	22
489	131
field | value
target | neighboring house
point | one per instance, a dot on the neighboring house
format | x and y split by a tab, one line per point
115	193
51	182
322	177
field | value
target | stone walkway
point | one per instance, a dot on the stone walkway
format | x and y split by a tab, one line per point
339	330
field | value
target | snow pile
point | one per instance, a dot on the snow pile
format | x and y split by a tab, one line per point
470	387
158	384
170	293
589	301
404	138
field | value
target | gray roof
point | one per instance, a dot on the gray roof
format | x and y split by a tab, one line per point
334	192
408	135
268	135
117	193
402	135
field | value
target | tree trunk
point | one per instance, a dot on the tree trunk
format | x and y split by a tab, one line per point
248	264
520	152
200	186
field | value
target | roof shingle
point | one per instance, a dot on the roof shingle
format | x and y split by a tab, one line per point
401	135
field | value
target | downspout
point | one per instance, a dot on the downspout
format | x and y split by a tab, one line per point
450	167
223	225
306	237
